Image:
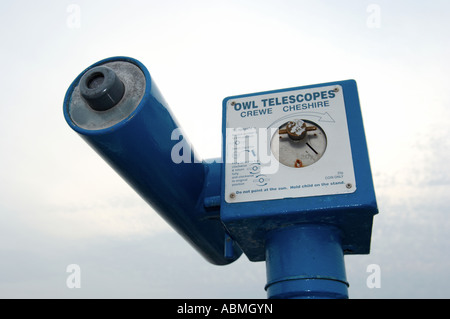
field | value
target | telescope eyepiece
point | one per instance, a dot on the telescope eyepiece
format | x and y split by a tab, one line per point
101	88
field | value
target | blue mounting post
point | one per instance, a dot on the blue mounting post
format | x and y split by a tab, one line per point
305	261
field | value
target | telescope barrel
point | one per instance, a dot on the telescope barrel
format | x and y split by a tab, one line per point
115	106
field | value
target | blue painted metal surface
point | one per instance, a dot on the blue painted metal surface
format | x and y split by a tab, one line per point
139	148
303	240
305	261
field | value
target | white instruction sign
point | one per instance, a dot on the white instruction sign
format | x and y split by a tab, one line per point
288	144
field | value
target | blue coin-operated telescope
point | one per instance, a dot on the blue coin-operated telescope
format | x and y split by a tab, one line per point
293	186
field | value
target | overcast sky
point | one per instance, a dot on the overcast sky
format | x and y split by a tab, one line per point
60	204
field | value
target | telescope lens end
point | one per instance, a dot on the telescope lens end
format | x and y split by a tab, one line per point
101	88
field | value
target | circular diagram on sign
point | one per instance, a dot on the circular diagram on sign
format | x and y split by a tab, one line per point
298	143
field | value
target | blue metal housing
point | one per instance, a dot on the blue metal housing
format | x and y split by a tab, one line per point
139	149
248	223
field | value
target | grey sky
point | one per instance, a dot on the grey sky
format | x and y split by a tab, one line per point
61	204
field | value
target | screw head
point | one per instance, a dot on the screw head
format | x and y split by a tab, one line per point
232	195
349	185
